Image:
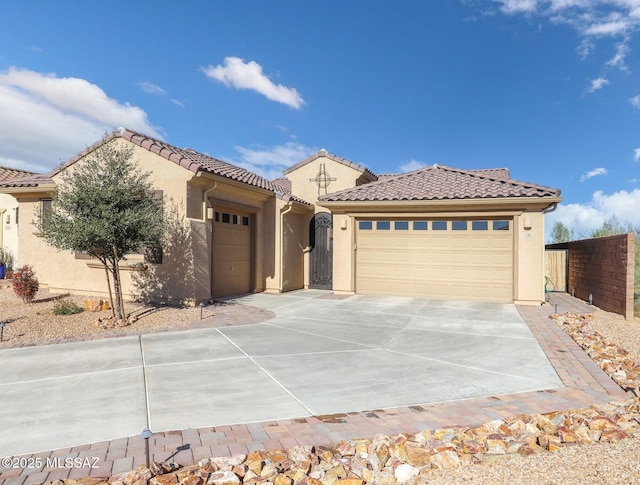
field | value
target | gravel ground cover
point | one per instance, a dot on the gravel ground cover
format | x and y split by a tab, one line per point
35	323
601	463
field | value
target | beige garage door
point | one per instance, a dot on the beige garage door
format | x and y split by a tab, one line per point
231	253
442	259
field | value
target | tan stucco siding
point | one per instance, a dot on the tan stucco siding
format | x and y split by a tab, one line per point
304	186
529	258
62	272
9	225
343	253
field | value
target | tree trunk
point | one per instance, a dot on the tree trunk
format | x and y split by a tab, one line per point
106	272
117	285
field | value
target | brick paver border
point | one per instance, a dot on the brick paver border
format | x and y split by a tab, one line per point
585	385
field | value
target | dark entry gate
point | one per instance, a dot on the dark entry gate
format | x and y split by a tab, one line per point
321	255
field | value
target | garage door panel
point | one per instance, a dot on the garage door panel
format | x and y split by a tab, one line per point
231	256
472	265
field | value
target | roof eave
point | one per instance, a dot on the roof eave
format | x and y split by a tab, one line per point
237	183
48	187
531	203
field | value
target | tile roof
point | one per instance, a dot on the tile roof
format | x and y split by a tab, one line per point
282	188
7	173
30	181
335	158
438	182
195	161
185	157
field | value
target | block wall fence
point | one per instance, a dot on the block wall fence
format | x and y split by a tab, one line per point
604	268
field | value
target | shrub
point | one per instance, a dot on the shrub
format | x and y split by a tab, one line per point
64	306
25	284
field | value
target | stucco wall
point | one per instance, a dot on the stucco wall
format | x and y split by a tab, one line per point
604	268
303	185
528	258
62	272
9	232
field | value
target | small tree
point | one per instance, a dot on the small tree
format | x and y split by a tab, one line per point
105	207
561	233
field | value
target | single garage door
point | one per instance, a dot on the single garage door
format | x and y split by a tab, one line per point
231	253
442	259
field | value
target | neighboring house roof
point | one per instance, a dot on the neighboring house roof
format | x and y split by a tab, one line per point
7	173
439	182
335	158
29	181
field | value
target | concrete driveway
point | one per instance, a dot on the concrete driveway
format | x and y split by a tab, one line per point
321	354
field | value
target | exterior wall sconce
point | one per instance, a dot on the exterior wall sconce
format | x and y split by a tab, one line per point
527	223
343	224
7	219
210	213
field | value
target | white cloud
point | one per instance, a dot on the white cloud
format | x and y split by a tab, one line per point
411	165
240	75
45	119
622	50
597	84
151	88
584	218
271	161
636	154
592	19
593	173
518	6
635	101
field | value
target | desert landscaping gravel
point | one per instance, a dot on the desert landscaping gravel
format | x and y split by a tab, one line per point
601	463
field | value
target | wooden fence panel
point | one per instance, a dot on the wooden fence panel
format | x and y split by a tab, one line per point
556	268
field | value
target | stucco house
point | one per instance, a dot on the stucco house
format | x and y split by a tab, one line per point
437	232
9	212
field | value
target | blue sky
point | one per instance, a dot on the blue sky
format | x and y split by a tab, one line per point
547	88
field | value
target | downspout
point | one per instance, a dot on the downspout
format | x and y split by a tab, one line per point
288	208
205	199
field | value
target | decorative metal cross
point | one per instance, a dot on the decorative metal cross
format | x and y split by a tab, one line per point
323	179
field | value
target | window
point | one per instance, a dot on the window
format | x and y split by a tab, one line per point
235	219
401	225
245	220
439	225
226	218
479	225
365	225
217	217
383	225
46	206
459	225
419	225
500	225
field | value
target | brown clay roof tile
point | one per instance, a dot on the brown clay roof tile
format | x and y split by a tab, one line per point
443	183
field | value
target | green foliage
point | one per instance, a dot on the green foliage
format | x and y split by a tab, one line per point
561	233
106	207
613	226
64	306
25	284
6	258
104	203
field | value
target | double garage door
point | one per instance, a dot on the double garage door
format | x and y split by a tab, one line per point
441	259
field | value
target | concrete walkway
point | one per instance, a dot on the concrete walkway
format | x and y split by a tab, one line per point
301	378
